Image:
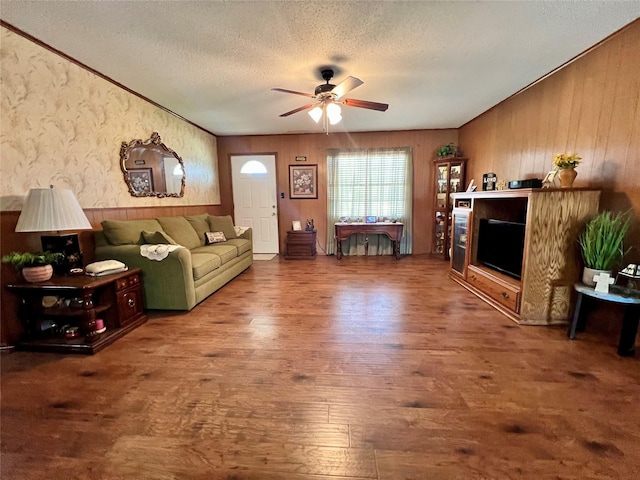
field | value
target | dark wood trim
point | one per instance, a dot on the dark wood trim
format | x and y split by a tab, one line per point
17	31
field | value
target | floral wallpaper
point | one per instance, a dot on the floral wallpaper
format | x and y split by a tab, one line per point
63	125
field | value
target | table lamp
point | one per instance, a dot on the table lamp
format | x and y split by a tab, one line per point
55	210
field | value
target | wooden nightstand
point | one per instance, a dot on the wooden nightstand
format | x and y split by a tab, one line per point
301	244
77	301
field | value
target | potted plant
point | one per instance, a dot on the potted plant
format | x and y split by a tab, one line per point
34	267
448	150
602	243
566	166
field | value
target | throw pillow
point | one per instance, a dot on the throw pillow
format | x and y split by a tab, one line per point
214	237
200	225
222	224
128	232
157	238
181	231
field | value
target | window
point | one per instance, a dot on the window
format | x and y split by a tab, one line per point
253	167
370	182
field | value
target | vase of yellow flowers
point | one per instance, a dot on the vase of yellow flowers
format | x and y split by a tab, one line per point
566	166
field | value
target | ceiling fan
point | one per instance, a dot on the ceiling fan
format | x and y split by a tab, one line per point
329	98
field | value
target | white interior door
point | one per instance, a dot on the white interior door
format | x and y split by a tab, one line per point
255	199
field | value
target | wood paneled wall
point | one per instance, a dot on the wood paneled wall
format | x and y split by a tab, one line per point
10	328
424	143
591	107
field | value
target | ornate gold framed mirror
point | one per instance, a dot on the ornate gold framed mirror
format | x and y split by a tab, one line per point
151	169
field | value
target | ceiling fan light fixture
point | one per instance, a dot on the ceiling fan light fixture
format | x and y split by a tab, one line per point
316	114
334	113
329	97
333	109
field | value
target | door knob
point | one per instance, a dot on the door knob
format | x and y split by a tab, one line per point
273	214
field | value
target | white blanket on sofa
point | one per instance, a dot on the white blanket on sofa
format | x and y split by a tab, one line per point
157	252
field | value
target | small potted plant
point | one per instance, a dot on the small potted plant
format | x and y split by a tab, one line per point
602	243
34	267
448	150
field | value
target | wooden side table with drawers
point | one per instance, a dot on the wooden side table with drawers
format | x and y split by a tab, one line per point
69	303
301	244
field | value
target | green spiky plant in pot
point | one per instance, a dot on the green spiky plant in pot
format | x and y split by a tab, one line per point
602	243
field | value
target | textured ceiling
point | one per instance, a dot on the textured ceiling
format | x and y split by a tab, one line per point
437	64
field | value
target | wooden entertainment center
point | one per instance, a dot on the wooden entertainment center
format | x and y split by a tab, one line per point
551	265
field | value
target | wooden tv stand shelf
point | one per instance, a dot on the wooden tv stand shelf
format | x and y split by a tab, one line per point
551	264
115	298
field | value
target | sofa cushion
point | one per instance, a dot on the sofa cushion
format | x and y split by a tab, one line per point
222	224
181	231
128	232
225	251
241	244
204	263
155	238
200	225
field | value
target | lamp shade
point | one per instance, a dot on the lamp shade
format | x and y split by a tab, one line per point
51	210
333	110
316	114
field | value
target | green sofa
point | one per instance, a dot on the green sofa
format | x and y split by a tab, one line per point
187	275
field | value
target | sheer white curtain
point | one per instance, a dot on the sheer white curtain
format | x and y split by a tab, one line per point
375	181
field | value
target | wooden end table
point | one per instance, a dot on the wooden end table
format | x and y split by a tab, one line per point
301	244
629	298
77	301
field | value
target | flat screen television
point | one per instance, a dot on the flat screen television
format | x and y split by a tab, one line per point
501	246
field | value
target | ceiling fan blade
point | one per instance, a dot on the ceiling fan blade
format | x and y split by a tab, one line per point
284	90
305	107
346	86
352	102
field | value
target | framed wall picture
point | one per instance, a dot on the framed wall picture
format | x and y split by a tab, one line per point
303	181
141	179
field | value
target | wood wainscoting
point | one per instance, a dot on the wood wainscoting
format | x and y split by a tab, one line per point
10	328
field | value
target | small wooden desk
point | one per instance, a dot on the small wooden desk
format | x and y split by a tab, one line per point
391	230
625	296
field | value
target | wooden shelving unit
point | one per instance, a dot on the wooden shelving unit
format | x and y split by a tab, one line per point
449	179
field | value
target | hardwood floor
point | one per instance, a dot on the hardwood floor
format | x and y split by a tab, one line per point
366	368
